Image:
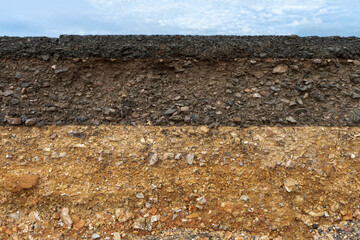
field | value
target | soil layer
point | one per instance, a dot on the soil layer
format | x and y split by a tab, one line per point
237	92
200	47
142	180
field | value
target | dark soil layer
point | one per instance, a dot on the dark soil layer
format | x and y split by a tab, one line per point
200	47
237	92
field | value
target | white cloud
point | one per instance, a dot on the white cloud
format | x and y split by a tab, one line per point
215	16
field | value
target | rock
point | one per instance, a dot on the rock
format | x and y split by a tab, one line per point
247	90
153	159
355	78
170	111
14	121
355	115
77	134
190	159
290	184
65	217
140	195
184	109
117	236
14	101
142	224
290	164
236	120
317	61
15	183
34	217
282	68
275	89
95	236
256	95
316	214
80	224
356	62
18	75
244	198
228	206
61	70
123	215
291	119
262	55
355	95
201	200
204	129
7	93
31	121
155	218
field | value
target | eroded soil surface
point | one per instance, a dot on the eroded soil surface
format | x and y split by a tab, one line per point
237	92
138	181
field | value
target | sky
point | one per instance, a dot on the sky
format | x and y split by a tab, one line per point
52	18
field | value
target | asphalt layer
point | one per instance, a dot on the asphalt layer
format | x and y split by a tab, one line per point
175	46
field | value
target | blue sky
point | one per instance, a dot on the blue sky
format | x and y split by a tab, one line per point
198	17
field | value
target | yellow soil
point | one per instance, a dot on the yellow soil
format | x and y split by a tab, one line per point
261	180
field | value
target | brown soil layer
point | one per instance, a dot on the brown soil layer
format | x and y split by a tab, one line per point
140	180
233	92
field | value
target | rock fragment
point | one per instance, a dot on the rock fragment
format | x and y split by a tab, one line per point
201	200
95	236
31	121
14	121
291	119
65	217
290	184
282	68
244	198
123	215
190	159
140	195
80	224
153	159
16	183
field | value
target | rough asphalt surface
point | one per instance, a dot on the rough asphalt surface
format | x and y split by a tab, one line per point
200	47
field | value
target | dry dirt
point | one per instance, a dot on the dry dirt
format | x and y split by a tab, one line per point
137	181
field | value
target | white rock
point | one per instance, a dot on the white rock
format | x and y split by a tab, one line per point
190	159
290	184
201	200
153	159
291	119
280	69
117	236
65	217
140	195
244	198
155	218
256	95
